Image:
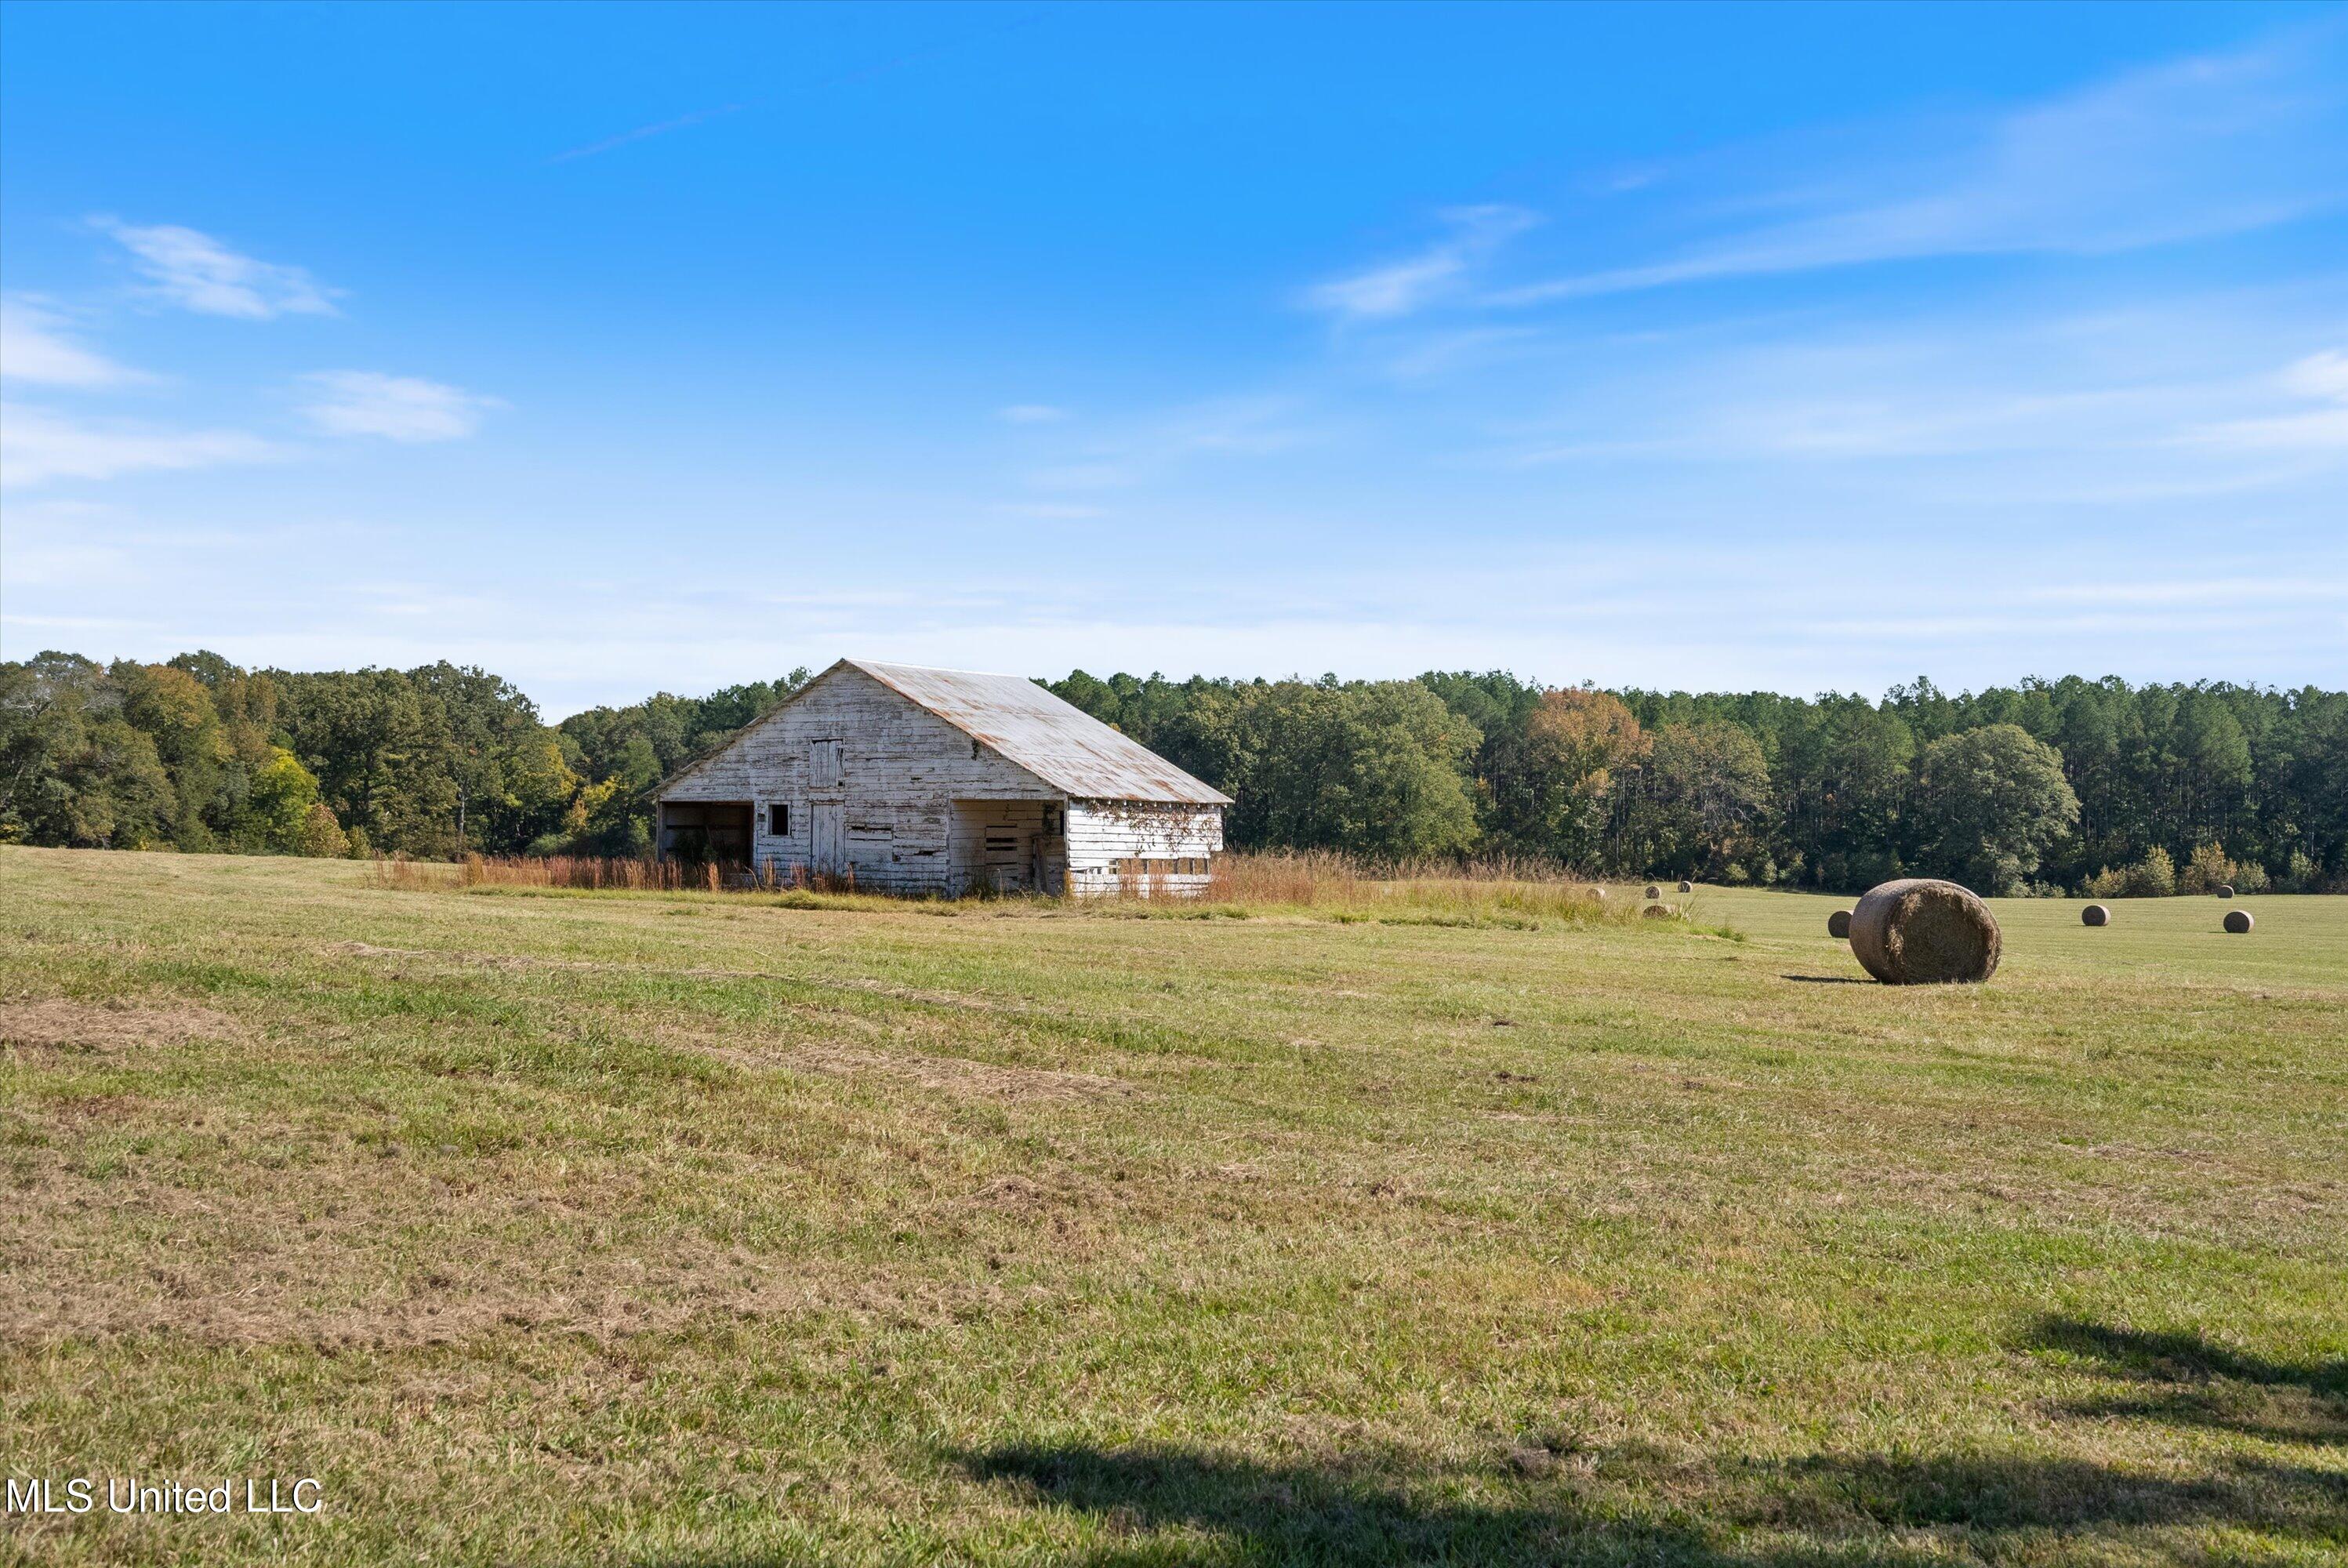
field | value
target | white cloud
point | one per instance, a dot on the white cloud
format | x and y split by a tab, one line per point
2323	375
660	127
398	408
198	273
2191	149
2201	591
37	445
1031	413
1240	427
1049	511
35	345
2320	377
1400	288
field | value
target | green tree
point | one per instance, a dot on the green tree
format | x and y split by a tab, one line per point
1988	804
322	836
175	712
1373	767
1698	802
277	806
1580	750
73	770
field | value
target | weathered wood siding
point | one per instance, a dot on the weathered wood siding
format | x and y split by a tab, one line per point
1105	834
898	771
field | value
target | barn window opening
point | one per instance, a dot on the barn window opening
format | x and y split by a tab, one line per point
973	748
779	821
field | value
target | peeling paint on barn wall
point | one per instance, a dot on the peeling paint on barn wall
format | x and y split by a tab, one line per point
872	783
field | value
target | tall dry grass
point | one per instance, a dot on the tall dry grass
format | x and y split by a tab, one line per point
1499	888
1324	884
600	872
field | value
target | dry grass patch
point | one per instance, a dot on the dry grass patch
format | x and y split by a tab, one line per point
112	1027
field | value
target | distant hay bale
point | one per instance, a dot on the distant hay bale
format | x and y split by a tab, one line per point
2223	890
1922	931
1838	923
2239	920
1654	891
2094	914
1687	887
1597	892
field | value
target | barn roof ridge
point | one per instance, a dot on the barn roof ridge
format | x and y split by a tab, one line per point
1034	728
1026	724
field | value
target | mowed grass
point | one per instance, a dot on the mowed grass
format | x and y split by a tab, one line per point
554	1228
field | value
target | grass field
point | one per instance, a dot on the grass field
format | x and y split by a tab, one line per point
557	1227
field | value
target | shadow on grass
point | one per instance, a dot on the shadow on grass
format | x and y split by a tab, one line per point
1172	1506
2183	1358
1177	1506
1987	1498
2197	1381
1828	979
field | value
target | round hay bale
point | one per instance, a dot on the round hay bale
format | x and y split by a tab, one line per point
2223	890
1838	923
1687	887
1654	891
1661	912
2094	914
1921	931
2239	920
1597	892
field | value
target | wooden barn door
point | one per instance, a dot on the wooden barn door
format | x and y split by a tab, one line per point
827	838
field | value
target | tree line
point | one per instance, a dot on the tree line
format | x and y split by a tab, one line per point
2070	785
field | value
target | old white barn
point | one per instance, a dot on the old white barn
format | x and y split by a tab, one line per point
918	781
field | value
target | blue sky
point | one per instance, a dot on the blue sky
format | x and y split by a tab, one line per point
621	349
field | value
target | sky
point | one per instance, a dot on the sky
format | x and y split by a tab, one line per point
620	349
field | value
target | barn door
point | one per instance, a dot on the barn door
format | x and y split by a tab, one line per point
827	838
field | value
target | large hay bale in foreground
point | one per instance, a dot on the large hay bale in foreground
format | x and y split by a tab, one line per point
1922	931
1687	887
2239	920
2223	890
1838	923
2094	914
1661	912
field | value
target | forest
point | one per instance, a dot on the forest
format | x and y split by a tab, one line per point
2047	787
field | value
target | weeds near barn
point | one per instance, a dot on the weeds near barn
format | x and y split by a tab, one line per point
1285	883
555	1227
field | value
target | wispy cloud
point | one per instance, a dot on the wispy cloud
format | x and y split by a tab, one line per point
644	132
40	445
2195	149
396	407
1048	510
2174	396
1399	288
835	79
198	273
1243	427
1031	413
2208	592
2320	379
38	345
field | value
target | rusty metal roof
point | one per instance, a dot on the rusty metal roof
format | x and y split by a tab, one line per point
1059	742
